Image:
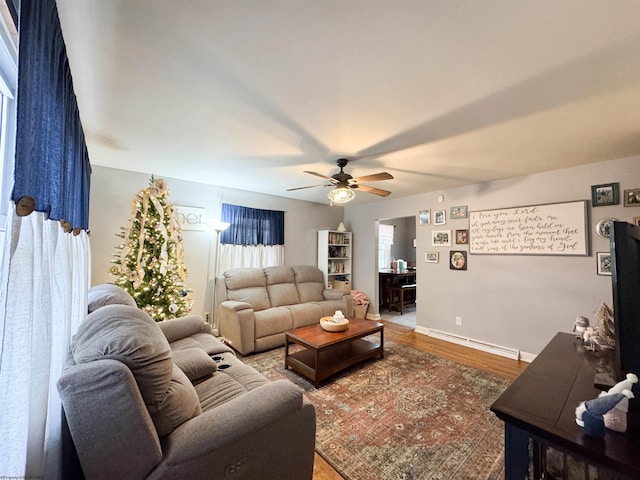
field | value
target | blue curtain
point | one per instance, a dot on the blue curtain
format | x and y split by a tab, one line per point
52	162
252	226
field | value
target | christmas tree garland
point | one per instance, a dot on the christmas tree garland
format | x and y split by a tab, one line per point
150	263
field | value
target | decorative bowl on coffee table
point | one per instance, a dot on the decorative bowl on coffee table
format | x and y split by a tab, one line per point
330	325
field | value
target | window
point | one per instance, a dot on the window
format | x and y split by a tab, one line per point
8	82
252	226
385	240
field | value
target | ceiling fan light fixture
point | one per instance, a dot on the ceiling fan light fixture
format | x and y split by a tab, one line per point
341	195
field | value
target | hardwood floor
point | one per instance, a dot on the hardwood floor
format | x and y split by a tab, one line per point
394	332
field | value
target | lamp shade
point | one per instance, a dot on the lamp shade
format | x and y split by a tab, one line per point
341	195
218	226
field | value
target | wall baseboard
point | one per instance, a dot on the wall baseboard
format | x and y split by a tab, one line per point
473	343
469	342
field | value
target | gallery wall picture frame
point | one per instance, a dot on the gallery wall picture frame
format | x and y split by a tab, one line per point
632	197
441	238
431	257
605	226
605	194
458	260
424	217
487	235
603	260
462	237
458	212
440	217
636	221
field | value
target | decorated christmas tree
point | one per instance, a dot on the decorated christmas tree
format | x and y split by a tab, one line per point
150	260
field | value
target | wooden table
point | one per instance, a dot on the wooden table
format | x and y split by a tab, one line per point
326	353
540	405
389	278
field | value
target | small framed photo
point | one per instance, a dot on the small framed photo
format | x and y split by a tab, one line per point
605	194
458	260
439	217
462	237
632	198
458	212
424	217
604	263
636	221
431	257
604	227
441	238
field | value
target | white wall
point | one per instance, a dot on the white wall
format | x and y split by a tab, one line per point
112	193
513	301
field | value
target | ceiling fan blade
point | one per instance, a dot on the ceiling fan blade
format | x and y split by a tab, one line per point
375	191
310	186
319	175
372	178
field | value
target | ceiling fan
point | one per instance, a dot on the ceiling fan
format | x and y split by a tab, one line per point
345	184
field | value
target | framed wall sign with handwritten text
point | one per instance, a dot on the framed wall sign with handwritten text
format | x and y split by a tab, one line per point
551	229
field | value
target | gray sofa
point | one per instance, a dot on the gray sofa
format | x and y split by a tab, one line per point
168	400
255	306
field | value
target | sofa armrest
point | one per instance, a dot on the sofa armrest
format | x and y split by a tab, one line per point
233	420
334	293
178	328
235	306
237	325
110	425
339	294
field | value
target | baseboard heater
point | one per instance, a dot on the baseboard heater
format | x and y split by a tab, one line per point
477	344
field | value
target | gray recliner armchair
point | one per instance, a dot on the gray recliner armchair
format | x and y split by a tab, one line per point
137	408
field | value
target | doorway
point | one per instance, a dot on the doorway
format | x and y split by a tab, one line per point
396	241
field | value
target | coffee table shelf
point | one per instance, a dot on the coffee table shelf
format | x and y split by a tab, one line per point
327	353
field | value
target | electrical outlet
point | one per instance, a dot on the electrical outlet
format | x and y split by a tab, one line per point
459	321
206	316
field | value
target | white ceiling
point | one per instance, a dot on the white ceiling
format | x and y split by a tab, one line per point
250	93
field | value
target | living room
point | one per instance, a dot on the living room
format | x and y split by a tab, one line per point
507	304
513	301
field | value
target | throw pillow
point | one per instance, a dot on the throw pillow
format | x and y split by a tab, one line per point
194	362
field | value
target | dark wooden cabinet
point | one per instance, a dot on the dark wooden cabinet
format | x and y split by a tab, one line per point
540	406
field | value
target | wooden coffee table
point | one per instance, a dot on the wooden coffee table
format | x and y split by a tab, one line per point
326	353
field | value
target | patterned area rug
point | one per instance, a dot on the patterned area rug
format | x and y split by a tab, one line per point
411	415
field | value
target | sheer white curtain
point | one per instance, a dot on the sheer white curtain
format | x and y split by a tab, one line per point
236	256
43	298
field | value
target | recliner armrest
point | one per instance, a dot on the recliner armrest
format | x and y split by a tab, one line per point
235	306
231	421
178	328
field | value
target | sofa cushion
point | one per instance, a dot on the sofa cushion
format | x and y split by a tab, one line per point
305	314
247	285
283	294
281	287
310	291
194	362
232	380
108	294
129	335
273	320
310	283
